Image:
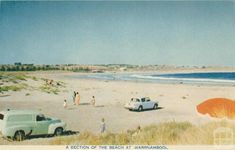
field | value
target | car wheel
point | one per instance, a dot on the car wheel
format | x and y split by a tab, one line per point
58	131
19	136
155	106
140	108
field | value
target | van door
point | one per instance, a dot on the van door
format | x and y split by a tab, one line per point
42	125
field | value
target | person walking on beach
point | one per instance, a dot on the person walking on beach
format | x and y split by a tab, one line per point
93	101
74	96
65	104
102	126
77	99
138	130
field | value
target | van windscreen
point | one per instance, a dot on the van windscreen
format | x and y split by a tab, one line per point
1	116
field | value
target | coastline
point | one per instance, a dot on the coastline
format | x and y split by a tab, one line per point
177	101
162	77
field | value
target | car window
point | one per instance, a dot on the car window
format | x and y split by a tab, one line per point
23	117
142	99
40	118
1	116
147	99
135	100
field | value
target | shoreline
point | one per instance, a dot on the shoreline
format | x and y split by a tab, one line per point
178	102
148	78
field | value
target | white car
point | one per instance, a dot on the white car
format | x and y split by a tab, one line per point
18	124
141	104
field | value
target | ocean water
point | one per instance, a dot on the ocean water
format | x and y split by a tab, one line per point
187	78
228	77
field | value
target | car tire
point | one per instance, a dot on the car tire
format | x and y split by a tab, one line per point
155	106
19	136
58	131
140	108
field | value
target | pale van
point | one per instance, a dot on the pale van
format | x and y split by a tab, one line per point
19	124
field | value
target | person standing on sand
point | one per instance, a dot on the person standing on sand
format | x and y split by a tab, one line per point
138	130
102	126
77	99
93	101
65	104
74	96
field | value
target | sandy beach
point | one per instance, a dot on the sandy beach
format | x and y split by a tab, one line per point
177	102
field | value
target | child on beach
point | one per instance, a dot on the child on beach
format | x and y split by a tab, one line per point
93	101
102	126
65	104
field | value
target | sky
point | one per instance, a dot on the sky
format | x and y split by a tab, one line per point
192	33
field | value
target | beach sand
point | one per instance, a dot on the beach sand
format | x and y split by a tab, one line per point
177	102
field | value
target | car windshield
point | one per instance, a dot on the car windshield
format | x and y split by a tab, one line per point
135	100
41	117
147	99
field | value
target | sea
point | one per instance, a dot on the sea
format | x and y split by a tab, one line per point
210	78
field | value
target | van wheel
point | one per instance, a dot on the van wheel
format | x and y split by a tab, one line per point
155	106
140	108
19	136
58	131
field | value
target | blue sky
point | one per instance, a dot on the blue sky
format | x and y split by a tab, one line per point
172	33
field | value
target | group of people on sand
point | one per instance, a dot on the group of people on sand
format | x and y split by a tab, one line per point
49	82
76	100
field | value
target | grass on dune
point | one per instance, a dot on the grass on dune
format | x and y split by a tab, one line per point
54	88
17	87
15	81
49	89
171	133
13	77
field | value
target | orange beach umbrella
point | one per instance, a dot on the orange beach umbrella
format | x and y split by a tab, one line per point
218	107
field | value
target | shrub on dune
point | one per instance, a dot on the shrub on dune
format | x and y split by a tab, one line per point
163	133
